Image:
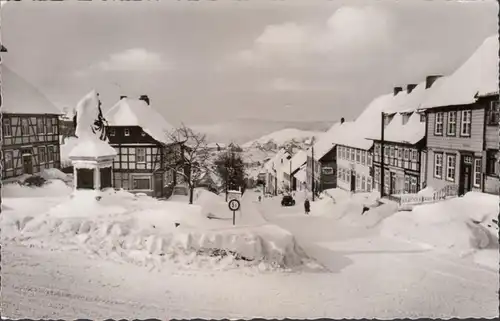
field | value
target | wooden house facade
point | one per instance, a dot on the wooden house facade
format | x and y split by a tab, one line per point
146	159
30	128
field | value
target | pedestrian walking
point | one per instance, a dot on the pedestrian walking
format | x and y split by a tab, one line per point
307	206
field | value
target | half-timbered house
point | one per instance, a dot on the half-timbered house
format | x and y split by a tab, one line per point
460	124
147	159
30	129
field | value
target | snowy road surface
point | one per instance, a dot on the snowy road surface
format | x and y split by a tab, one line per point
369	277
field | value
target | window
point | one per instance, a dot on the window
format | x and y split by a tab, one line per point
438	165
141	183
358	156
493	116
369	159
450	167
438	128
477	172
414	155
452	124
407	184
491	163
7	128
386	151
40	126
50	153
369	184
407	154
363	157
413	185
377	174
376	149
363	183
358	182
42	157
352	154
396	152
50	126
143	133
422	118
25	128
465	123
127	132
112	132
392	151
8	160
141	155
327	170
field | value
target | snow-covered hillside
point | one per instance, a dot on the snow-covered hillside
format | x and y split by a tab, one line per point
282	138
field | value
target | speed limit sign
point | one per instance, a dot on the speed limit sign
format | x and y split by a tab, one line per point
234	205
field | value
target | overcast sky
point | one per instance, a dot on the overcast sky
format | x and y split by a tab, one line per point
207	61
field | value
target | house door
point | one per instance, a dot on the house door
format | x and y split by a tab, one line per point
353	181
465	183
392	187
105	177
158	185
28	164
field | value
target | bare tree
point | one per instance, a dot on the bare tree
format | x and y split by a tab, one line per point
193	160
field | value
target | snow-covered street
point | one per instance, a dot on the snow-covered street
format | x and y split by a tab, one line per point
367	275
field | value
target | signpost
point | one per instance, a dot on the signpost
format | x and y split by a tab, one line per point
234	205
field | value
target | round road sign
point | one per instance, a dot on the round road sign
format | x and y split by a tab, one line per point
234	205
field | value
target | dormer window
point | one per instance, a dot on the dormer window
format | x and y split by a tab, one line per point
143	133
127	132
422	118
112	132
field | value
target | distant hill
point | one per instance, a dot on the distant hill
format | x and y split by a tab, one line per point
288	137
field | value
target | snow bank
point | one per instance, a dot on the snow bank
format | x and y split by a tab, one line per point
51	188
55	174
146	231
361	209
68	144
463	225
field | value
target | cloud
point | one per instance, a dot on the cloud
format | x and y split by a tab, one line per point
136	59
350	30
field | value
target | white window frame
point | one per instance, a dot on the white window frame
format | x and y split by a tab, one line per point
438	165
137	155
7	123
466	123
448	167
406	155
414	155
363	183
50	155
44	149
449	123
477	174
11	154
363	157
49	125
353	155
40	130
413	183
126	132
438	124
370	159
112	132
358	182
327	170
407	184
25	131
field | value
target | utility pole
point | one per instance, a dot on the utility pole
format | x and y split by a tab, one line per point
312	165
382	171
290	175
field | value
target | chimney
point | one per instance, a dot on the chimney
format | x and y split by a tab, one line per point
121	97
410	87
429	80
397	90
342	120
144	98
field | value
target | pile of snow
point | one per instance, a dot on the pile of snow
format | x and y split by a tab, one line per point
145	231
360	209
55	174
463	225
65	148
53	187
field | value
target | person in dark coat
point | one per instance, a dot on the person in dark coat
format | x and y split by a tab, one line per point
307	206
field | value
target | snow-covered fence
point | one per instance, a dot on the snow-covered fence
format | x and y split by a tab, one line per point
409	200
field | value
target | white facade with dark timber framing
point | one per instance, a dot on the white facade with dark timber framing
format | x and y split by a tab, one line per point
145	154
30	128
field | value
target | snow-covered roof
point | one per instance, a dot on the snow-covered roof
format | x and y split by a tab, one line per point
21	97
136	112
410	133
91	147
299	159
301	175
478	76
275	162
326	141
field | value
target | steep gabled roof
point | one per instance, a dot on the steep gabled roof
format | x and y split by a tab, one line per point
21	97
136	112
476	77
299	159
326	141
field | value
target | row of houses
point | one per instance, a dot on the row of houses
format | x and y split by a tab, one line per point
441	132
